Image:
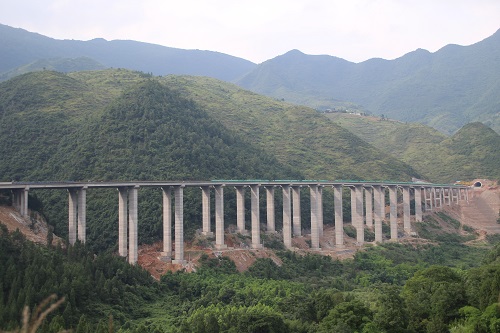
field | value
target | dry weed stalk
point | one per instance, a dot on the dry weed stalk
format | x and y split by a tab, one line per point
30	325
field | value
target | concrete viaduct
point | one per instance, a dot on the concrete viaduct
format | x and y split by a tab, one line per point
367	207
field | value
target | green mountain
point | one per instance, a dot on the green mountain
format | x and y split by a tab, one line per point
117	125
124	125
470	153
297	136
64	65
19	47
446	89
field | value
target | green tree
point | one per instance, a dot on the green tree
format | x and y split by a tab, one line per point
433	297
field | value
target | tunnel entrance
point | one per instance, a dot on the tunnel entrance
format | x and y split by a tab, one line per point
478	184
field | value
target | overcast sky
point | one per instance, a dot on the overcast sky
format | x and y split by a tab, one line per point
257	30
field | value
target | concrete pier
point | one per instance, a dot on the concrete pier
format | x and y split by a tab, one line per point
287	217
438	197
354	217
122	221
82	214
314	217
24	202
393	217
360	225
255	216
20	200
166	255
219	218
418	204
72	215
339	219
428	192
297	225
205	208
320	210
133	219
179	225
379	205
240	209
446	196
455	195
369	206
271	227
406	209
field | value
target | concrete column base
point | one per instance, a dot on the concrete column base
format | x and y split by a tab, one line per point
220	246
207	233
257	246
179	261
166	257
339	246
315	249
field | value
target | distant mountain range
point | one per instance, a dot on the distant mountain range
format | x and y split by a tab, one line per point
19	47
446	89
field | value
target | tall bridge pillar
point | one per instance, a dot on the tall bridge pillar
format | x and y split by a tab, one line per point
20	200
72	214
357	213
77	214
132	224
454	195
255	215
379	205
360	228
287	217
271	227
297	227
82	214
339	219
166	255
446	196
179	225
314	218
406	209
205	207
122	221
240	209
393	200
438	197
418	204
320	210
369	206
219	218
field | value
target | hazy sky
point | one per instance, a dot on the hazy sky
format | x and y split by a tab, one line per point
258	30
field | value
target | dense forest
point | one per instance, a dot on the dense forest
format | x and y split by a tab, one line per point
387	288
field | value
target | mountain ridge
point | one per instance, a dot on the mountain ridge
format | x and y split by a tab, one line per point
19	47
445	89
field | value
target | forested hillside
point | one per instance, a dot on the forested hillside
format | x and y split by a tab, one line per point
470	153
446	89
389	288
117	125
64	65
297	136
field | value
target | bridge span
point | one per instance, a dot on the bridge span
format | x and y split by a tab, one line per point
368	208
